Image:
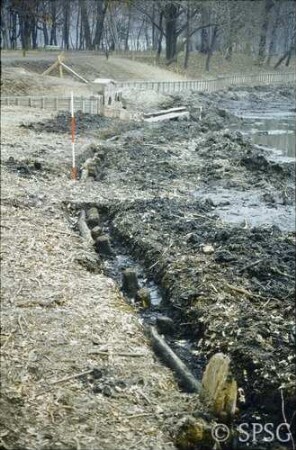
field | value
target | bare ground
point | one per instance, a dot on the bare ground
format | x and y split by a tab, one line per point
56	315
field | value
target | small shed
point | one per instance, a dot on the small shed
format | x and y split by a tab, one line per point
101	85
107	88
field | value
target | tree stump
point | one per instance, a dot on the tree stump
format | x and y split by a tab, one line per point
103	246
92	217
83	228
130	283
219	389
143	296
96	232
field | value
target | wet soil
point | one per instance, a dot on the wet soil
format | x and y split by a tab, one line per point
227	284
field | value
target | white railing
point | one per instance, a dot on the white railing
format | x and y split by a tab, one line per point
209	85
95	104
91	105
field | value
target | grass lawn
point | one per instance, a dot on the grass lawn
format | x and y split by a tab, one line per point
219	66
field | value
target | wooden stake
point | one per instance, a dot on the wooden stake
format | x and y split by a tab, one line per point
60	66
73	72
56	64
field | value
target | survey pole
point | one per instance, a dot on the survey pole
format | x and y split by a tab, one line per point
73	127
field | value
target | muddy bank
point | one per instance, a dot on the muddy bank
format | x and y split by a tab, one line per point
231	282
228	296
226	284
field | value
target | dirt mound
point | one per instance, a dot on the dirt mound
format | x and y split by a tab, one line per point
145	100
61	123
222	296
19	81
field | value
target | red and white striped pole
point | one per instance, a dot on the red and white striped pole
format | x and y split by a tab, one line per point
73	127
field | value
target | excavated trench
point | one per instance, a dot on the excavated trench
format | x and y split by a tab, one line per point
154	300
135	278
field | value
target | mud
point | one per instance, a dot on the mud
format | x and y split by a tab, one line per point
204	184
61	123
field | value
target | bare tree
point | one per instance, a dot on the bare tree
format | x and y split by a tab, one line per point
273	33
268	5
53	30
4	20
85	24
66	23
102	6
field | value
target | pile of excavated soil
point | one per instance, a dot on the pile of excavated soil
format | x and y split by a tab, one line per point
236	297
18	81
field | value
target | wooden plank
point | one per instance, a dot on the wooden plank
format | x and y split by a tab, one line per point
73	72
170	116
164	111
52	47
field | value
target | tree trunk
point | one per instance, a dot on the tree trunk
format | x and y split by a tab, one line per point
160	37
139	34
25	30
262	43
273	36
77	30
45	33
113	32
147	37
4	25
85	25
204	35
34	31
231	26
154	40
211	48
12	32
53	30
101	13
171	14
81	38
126	47
286	56
187	45
66	25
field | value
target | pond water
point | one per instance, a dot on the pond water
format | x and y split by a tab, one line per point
271	125
276	133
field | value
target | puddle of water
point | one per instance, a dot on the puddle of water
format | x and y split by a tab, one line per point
235	207
183	348
272	127
276	134
115	267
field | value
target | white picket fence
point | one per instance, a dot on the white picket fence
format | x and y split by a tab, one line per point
95	104
91	105
209	85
